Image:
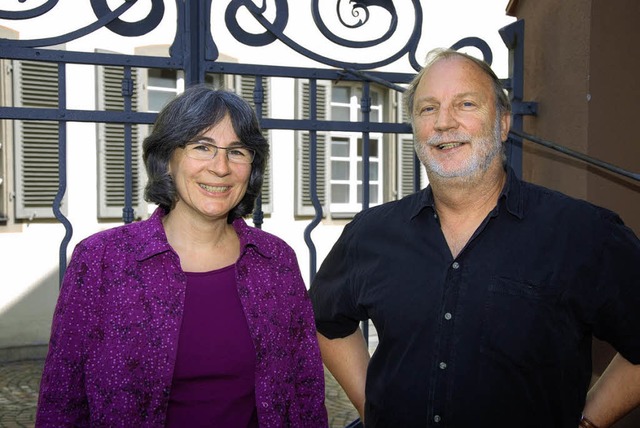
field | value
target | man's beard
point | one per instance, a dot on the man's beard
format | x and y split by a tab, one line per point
489	145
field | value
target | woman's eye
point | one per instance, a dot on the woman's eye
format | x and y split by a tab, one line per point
201	147
237	152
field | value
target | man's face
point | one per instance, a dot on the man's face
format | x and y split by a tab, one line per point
457	131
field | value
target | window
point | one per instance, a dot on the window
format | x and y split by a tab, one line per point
340	166
162	87
346	152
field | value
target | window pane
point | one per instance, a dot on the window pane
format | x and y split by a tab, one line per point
157	99
340	193
373	193
373	148
373	170
340	94
340	113
339	170
163	78
340	147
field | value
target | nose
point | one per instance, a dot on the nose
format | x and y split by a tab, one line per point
445	119
219	165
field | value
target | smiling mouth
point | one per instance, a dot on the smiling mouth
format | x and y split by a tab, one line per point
215	189
446	146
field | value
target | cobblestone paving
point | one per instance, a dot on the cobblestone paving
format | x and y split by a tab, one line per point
20	381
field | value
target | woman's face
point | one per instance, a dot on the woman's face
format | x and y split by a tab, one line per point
209	188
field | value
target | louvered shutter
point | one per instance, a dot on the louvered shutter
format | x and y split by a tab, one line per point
304	206
406	159
244	87
111	140
36	148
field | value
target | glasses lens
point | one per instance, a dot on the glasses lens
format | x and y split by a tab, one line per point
240	154
200	151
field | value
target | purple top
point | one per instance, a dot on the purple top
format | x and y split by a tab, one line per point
214	376
115	330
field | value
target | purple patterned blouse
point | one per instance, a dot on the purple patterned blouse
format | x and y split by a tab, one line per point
115	331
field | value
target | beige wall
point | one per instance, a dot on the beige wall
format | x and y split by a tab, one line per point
614	111
581	66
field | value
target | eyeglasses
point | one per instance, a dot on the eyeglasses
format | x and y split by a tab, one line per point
201	150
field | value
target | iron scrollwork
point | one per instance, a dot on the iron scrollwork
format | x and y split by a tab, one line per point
361	13
361	10
106	17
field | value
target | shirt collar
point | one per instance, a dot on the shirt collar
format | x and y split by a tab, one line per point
251	237
511	195
153	239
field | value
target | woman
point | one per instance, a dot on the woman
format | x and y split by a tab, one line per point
190	318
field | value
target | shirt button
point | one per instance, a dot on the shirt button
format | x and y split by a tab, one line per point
442	365
447	316
455	265
436	418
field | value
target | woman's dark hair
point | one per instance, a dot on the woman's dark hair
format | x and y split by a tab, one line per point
186	117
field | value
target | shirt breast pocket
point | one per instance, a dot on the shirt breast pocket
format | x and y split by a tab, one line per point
524	324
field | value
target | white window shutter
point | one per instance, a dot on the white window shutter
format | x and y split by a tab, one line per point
36	142
304	207
111	140
244	87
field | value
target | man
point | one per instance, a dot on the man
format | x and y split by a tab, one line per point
485	290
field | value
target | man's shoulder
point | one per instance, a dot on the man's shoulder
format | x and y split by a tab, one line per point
540	197
405	207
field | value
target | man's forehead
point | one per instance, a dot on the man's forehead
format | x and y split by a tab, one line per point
456	73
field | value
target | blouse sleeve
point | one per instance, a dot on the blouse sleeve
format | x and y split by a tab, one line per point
63	400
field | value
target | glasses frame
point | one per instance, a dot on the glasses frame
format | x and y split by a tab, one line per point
216	149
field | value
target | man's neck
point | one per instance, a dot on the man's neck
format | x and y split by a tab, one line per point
463	205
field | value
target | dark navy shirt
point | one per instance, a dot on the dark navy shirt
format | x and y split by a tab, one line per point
499	336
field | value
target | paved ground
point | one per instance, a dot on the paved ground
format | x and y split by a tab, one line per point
19	382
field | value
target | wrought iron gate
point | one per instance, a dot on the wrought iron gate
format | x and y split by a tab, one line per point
195	52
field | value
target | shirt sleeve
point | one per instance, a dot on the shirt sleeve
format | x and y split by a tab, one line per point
62	398
333	292
618	317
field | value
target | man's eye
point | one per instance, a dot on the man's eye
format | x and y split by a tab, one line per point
468	104
427	109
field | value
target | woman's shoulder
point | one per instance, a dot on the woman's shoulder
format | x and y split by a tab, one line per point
131	235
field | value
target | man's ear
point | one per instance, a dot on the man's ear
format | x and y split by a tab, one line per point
505	126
